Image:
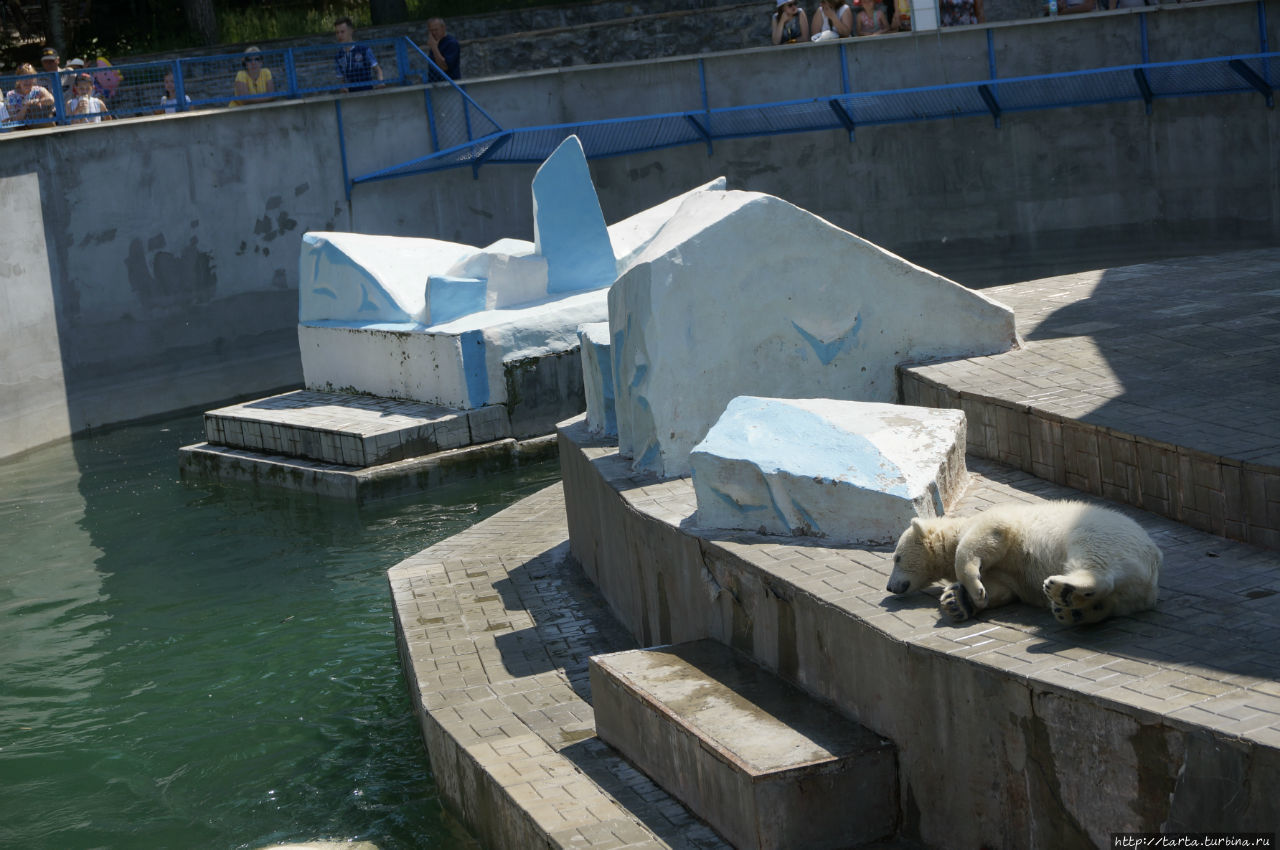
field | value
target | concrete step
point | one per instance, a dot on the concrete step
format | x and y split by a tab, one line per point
350	430
756	758
361	484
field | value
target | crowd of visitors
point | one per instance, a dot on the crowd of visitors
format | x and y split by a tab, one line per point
844	18
834	19
88	89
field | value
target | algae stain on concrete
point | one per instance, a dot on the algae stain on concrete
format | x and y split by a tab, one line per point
167	279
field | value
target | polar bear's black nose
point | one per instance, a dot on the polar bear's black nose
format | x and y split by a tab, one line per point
898	586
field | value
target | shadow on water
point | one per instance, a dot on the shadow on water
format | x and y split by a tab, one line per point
208	665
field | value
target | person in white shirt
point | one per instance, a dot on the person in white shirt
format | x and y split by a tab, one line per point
84	108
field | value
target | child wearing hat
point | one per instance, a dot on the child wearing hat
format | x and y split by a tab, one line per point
84	108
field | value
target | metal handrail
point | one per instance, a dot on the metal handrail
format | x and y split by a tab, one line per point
202	82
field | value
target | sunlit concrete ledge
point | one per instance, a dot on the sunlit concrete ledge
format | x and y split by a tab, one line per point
1012	731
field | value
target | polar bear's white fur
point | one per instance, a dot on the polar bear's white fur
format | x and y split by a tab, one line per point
1083	561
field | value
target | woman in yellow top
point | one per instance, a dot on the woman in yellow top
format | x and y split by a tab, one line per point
254	79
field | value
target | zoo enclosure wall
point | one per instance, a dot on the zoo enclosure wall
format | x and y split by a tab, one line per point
187	295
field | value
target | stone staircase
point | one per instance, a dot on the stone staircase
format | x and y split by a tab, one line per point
756	758
355	447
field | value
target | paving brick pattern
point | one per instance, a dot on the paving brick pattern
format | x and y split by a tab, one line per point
497	623
1119	389
1209	653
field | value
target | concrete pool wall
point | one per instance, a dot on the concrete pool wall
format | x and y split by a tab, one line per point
151	265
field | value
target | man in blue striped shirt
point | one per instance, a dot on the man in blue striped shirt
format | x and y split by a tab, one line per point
356	64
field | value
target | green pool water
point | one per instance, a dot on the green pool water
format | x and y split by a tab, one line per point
208	666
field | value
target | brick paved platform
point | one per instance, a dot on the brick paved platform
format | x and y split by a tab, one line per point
1154	385
1013	731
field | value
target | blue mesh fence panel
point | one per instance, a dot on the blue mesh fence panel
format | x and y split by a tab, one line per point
460	132
334	67
32	100
210	81
1180	79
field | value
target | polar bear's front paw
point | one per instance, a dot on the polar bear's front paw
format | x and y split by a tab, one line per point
956	603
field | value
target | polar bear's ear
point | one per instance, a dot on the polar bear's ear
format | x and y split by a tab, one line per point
918	526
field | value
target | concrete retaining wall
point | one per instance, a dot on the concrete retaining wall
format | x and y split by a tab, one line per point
172	243
991	752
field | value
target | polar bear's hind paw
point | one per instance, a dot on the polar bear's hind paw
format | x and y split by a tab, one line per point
1065	594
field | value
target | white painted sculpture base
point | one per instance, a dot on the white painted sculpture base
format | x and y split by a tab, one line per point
845	470
459	364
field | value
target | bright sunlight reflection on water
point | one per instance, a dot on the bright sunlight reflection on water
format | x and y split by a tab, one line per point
206	666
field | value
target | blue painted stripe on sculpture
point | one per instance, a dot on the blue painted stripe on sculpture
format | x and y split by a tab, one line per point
367	306
733	503
810	524
784	524
473	367
648	458
830	349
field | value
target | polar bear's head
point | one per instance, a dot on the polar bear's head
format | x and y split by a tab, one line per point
916	558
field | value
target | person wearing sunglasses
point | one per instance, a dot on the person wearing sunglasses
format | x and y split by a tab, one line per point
253	78
790	24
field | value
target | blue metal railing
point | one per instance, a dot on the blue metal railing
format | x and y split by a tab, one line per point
203	82
1145	82
460	133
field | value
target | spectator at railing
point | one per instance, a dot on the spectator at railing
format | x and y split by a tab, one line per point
832	19
900	16
356	64
1073	7
84	108
873	20
28	102
444	50
169	101
790	23
956	13
252	78
50	62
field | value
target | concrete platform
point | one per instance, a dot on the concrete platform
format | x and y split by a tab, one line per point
355	447
351	430
360	484
757	758
1012	731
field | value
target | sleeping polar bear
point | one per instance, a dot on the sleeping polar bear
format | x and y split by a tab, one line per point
1085	562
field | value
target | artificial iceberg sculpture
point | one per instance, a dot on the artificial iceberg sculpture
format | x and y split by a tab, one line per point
744	294
466	327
